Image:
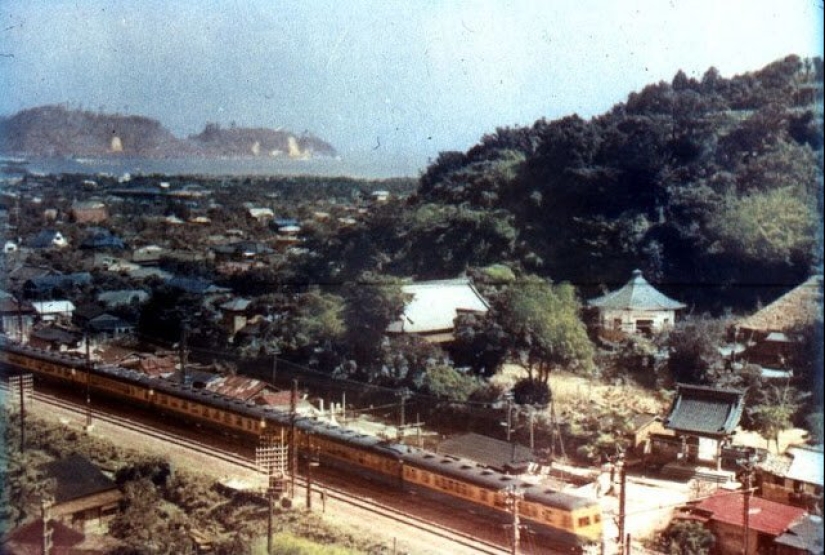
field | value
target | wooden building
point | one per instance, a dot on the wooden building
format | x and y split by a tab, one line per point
635	308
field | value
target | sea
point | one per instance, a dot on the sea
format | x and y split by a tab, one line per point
371	166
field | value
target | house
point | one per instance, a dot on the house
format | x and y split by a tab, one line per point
54	311
502	456
84	498
234	315
724	515
703	420
28	539
54	339
48	239
241	250
261	215
793	478
9	247
149	254
196	286
59	285
237	387
16	317
804	537
434	306
122	297
98	239
767	336
635	308
89	212
108	326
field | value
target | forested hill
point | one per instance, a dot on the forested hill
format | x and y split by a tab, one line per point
57	131
712	187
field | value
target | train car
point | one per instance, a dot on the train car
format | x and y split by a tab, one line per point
557	519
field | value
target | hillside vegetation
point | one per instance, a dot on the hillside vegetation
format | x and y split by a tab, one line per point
712	187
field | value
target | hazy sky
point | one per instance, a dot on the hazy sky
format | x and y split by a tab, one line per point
405	76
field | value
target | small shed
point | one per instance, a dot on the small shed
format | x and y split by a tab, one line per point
636	308
84	497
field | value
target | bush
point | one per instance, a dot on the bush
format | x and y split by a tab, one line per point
531	392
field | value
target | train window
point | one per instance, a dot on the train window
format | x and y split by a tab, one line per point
184	404
597	518
484	495
566	521
584	521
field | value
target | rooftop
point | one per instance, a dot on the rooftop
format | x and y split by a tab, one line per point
435	305
637	294
705	410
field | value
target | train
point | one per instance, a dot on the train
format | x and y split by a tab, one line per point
557	520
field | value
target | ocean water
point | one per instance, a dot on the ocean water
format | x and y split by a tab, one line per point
362	166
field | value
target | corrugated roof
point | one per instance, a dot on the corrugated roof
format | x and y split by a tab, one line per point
806	465
768	517
637	294
799	306
705	410
435	305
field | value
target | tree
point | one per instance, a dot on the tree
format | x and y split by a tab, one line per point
545	330
692	346
531	392
775	412
686	538
446	382
372	303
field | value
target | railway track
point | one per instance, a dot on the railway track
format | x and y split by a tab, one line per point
332	492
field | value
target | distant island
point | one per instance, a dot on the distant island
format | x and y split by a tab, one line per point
57	131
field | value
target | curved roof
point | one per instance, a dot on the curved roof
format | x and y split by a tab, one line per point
705	411
637	294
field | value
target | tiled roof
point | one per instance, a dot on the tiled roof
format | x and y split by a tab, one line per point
76	477
637	294
487	451
798	306
705	410
435	305
768	517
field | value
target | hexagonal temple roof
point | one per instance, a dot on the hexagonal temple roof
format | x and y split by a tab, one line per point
637	294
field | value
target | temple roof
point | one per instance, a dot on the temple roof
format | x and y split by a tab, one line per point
637	294
705	411
799	306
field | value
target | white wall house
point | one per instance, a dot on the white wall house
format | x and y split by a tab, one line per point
636	308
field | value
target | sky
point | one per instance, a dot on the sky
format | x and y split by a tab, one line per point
409	78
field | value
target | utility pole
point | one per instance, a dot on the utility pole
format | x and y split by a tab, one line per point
183	354
747	465
88	385
275	365
622	503
22	416
293	443
404	393
530	414
46	546
509	397
513	497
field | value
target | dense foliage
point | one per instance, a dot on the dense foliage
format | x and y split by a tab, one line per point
713	186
